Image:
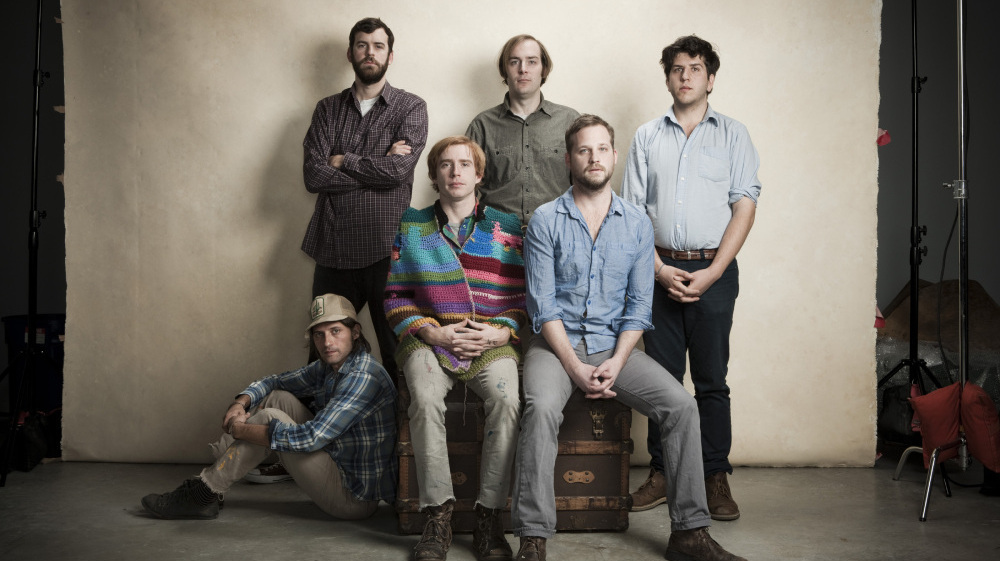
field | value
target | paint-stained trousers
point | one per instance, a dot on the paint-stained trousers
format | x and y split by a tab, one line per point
497	385
315	472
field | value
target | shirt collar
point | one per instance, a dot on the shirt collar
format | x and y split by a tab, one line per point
710	115
388	93
566	205
442	218
543	106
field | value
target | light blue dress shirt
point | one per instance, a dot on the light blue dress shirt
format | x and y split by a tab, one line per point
687	185
598	289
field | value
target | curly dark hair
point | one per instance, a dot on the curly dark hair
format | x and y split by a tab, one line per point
693	46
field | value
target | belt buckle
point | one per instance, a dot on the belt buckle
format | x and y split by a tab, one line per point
691	254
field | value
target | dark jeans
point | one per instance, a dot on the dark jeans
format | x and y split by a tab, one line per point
699	330
360	287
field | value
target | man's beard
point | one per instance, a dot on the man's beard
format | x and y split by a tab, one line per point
369	76
593	184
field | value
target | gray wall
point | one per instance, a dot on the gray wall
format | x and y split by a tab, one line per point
938	142
938	150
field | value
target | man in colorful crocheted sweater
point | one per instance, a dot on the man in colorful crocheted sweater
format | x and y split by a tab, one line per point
455	298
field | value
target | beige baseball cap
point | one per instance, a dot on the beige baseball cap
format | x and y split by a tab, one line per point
329	307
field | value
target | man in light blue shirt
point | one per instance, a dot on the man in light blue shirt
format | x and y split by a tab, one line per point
589	275
694	171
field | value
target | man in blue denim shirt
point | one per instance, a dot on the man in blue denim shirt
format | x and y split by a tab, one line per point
340	452
589	264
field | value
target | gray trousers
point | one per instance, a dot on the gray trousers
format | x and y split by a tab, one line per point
642	385
315	472
497	386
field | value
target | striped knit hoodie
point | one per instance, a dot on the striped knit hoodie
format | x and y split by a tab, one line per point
430	285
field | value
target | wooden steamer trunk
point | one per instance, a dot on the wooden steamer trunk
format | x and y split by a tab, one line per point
591	473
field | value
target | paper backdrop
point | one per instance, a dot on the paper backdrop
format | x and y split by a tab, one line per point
185	206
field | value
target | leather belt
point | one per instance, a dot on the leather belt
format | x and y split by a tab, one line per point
687	254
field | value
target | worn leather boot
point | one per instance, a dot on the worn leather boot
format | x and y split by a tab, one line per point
696	545
436	540
720	499
651	493
488	540
532	549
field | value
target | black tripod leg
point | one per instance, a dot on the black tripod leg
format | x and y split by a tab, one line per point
930	376
892	373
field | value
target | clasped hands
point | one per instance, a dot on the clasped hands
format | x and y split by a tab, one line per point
683	286
234	415
596	381
466	339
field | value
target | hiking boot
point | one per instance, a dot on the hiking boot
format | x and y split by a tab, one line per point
696	545
488	540
436	540
532	549
651	493
720	499
192	500
273	473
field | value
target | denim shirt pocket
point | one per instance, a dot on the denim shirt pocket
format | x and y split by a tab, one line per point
713	163
618	262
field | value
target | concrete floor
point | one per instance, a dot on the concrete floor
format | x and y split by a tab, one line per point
83	511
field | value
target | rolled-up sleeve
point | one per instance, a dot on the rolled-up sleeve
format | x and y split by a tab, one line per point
745	162
637	315
539	272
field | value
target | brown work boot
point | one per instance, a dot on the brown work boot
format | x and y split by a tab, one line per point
651	493
436	540
532	549
696	545
488	540
720	499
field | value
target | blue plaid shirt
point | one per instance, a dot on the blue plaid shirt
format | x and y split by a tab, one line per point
355	421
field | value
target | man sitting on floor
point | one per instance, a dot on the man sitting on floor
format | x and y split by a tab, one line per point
341	453
455	298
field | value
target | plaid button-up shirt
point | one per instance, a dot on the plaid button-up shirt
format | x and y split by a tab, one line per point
355	421
358	206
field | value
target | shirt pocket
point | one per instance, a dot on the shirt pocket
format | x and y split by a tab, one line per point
713	164
618	263
568	271
504	164
552	170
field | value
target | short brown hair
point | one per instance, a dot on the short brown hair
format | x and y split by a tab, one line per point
515	41
694	47
434	156
370	25
584	121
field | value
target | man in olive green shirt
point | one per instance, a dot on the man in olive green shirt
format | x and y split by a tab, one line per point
523	137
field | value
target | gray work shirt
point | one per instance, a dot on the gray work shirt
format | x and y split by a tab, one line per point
525	158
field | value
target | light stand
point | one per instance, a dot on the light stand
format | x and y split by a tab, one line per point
961	195
33	354
913	362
